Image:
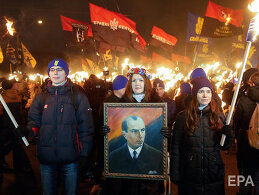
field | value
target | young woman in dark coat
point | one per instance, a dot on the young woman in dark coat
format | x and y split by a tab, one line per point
196	163
138	90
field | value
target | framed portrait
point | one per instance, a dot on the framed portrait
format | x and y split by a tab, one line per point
134	147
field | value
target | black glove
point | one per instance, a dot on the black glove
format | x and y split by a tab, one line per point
227	130
104	130
166	132
21	132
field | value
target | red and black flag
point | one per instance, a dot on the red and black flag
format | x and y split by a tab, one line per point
220	21
114	28
78	32
160	38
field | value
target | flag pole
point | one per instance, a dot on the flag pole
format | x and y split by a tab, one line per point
12	118
251	35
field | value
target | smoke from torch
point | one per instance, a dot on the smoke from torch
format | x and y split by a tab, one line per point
9	26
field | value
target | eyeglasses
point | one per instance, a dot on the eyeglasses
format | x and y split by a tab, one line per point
56	69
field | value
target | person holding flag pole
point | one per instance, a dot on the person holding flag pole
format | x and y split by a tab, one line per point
252	33
13	120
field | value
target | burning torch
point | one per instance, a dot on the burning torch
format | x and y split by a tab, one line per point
12	118
252	33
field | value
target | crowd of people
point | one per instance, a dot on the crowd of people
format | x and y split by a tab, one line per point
67	120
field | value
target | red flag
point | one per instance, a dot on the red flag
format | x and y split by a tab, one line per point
220	21
76	32
114	28
69	23
161	39
221	14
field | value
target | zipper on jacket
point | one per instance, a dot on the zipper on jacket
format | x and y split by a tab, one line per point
56	92
202	152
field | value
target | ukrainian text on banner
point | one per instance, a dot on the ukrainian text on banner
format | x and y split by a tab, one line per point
220	21
194	28
160	38
114	28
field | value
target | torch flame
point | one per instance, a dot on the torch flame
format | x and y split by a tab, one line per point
10	29
254	7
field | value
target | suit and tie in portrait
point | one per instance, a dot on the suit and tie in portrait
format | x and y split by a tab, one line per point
135	156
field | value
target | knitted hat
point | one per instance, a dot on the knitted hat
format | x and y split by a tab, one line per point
119	82
8	84
158	83
185	88
59	62
198	72
199	83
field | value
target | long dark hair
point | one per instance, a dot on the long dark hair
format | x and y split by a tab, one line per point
147	89
192	118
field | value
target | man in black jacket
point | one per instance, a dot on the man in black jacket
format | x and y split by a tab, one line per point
64	117
247	157
135	157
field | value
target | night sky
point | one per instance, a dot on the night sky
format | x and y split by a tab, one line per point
46	41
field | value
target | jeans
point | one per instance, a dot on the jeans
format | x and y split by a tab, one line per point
68	174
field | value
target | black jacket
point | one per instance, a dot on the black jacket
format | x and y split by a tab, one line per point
246	156
66	132
195	161
120	161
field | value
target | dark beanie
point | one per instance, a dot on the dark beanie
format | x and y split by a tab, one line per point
199	83
185	88
158	83
119	82
8	84
248	73
59	62
198	72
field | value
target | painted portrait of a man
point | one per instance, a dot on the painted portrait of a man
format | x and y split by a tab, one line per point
135	156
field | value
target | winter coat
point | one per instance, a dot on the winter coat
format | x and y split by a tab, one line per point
196	163
14	103
246	155
66	130
181	102
170	109
134	186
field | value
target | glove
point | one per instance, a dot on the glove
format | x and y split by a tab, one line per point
227	130
21	132
166	132
104	130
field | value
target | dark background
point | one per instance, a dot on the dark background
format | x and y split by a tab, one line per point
46	41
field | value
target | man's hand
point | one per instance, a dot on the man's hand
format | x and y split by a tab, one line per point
23	132
166	132
104	130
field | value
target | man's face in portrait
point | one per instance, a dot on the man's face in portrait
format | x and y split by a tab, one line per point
136	133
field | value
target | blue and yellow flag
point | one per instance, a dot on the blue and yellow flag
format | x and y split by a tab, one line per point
194	28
